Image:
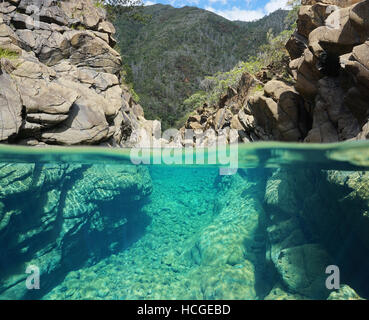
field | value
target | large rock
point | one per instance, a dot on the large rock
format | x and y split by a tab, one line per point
357	66
302	216
332	72
344	293
63	70
10	106
302	270
332	120
279	112
312	17
85	125
49	11
340	3
85	12
82	48
39	95
296	45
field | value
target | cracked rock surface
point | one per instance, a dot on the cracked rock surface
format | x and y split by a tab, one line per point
60	77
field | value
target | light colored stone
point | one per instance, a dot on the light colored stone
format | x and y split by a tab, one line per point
344	293
302	269
10	106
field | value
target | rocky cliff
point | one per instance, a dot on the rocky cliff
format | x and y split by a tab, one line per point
328	99
60	76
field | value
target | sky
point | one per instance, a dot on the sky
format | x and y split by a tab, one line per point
244	10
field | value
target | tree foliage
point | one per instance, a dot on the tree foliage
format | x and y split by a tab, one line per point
272	53
129	9
291	18
211	88
167	57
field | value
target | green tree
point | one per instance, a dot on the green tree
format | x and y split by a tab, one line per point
131	9
272	53
291	18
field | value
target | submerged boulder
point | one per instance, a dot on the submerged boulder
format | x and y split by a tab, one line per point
228	254
324	223
279	292
302	269
51	217
344	293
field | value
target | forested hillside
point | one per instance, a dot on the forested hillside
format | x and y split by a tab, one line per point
168	55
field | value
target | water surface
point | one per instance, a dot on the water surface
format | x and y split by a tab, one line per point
99	227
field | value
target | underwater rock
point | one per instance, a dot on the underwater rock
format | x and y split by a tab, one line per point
232	246
162	245
302	269
282	235
231	235
229	283
300	217
226	246
54	230
344	293
280	293
300	264
353	192
277	193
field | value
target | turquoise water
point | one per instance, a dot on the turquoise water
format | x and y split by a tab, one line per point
98	227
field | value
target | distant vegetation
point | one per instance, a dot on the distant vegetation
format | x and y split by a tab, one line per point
212	87
130	9
167	57
272	53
